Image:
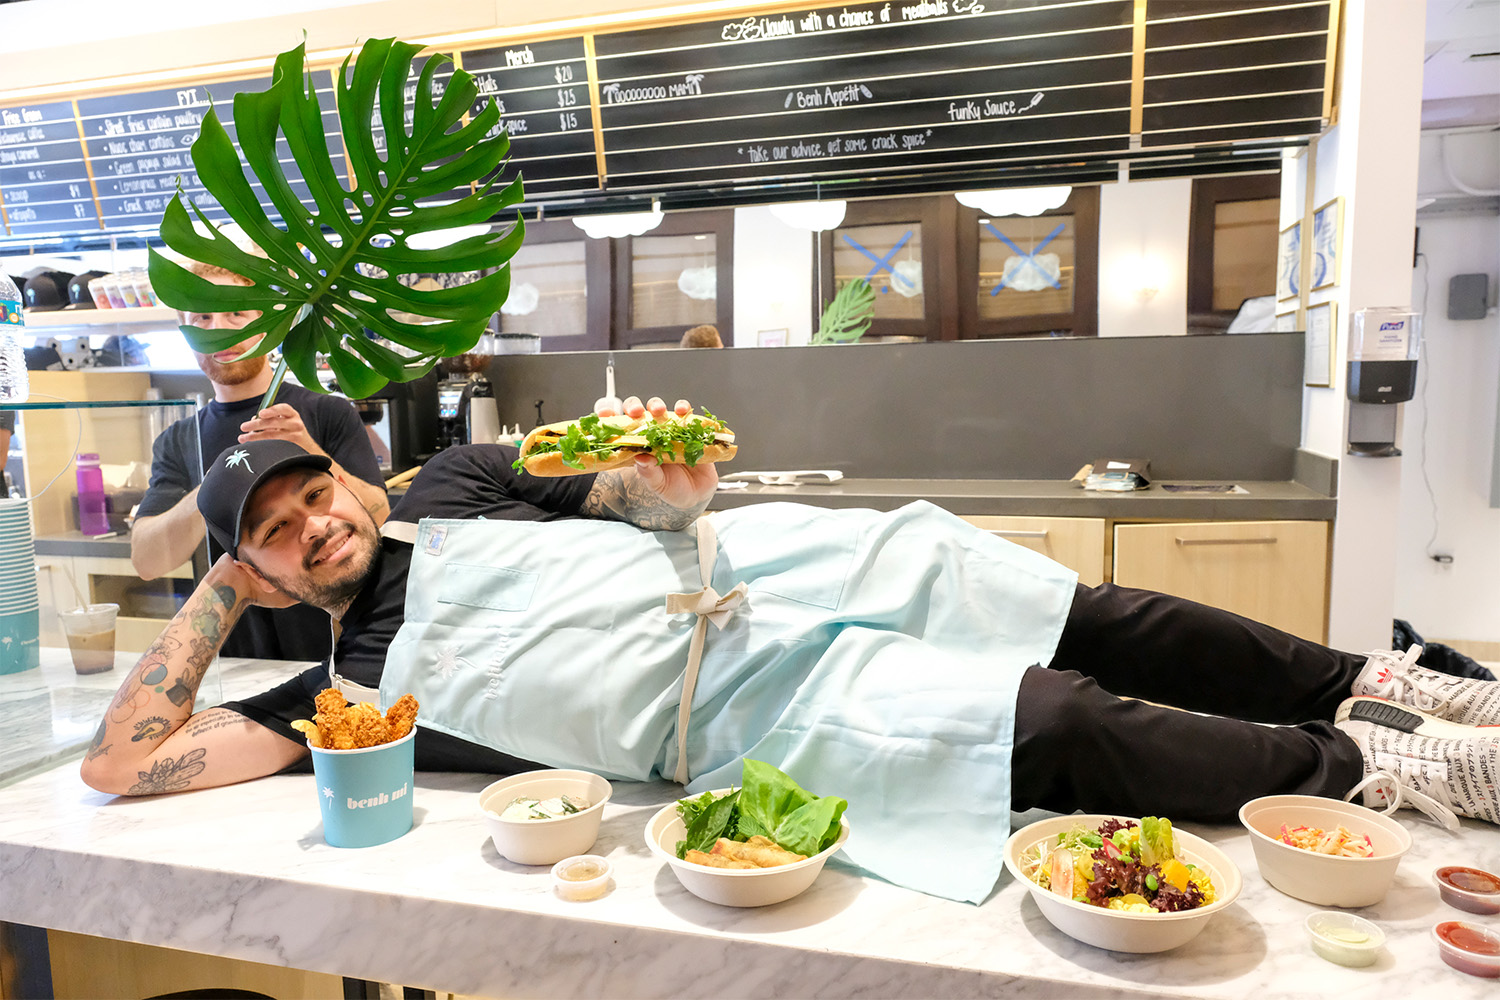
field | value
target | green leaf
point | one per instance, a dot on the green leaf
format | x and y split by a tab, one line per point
713	821
775	806
848	316
330	279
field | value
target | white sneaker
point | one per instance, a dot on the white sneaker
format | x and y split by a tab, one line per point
1415	759
1396	676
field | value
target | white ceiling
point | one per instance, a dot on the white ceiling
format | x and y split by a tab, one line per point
1463	49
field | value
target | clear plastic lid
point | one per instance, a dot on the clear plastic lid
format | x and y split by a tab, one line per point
1385	334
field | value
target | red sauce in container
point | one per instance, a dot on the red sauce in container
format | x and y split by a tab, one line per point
1471	949
1469	888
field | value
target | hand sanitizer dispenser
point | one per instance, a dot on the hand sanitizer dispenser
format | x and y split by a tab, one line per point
1383	348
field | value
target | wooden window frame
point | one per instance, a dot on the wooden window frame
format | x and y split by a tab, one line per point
1083	321
935	214
598	287
719	222
1208	192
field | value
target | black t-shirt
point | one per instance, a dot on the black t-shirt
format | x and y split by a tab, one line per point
470	481
299	632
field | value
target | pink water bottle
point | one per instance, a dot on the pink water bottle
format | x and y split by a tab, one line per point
92	520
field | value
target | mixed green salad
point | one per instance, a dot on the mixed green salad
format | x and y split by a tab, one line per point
1121	866
769	804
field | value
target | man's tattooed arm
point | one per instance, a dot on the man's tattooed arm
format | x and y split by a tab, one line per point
621	496
145	744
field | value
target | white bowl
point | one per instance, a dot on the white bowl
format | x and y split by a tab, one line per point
544	841
1117	930
734	886
1324	879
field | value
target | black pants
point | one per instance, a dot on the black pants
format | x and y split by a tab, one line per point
1081	743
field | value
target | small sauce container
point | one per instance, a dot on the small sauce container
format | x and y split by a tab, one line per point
1469	947
1343	938
1471	889
582	877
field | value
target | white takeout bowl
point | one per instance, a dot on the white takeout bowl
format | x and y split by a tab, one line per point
732	886
1324	879
544	841
1117	930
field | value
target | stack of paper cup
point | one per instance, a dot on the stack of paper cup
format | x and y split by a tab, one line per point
20	648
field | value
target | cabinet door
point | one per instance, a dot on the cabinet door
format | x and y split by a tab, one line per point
1272	571
1076	542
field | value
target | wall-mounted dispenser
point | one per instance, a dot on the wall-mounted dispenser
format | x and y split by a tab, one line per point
1383	347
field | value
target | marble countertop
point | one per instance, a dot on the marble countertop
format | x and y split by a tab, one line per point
1054	497
50	714
243	871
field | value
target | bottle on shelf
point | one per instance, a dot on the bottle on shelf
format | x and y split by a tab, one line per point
15	383
92	518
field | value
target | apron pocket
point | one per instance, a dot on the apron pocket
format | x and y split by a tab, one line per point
492	587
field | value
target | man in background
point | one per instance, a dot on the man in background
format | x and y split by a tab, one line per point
702	336
168	528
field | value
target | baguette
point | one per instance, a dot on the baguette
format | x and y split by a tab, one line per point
595	444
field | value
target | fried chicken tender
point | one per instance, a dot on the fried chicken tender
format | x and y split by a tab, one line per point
401	716
369	726
334	723
341	726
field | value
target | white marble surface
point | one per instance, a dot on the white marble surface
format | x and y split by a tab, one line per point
49	715
243	872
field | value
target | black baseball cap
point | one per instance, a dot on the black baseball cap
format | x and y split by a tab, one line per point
236	474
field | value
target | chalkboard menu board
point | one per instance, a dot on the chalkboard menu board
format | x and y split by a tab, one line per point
865	89
854	99
542	89
44	178
138	145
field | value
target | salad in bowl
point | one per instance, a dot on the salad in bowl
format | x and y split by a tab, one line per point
1122	883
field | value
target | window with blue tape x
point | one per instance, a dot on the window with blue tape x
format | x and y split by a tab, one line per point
889	257
1026	266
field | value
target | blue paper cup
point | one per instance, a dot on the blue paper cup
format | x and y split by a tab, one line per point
20	647
365	795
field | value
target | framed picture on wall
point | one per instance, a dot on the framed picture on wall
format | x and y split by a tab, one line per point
1317	361
1286	322
771	338
1289	262
1328	233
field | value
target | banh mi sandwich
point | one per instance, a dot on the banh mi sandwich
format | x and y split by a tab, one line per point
594	443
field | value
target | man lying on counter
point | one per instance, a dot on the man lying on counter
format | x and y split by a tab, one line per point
933	675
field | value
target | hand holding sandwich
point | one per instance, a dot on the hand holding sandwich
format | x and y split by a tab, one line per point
654	466
683	486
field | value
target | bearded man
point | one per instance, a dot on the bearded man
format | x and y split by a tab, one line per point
168	527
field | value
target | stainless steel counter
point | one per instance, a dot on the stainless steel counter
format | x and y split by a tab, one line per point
1054	498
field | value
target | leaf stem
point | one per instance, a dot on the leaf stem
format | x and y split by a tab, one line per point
276	377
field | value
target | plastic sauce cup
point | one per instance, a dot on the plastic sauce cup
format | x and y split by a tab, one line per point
582	877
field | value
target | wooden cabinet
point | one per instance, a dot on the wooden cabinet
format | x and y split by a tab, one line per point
1272	571
1076	542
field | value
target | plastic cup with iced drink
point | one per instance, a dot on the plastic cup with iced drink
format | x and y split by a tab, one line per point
91	637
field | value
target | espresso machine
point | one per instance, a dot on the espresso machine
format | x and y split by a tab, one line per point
467	412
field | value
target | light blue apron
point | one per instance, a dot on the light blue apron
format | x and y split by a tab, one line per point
876	657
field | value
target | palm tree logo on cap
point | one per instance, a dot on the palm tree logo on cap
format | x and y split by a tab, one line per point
240	457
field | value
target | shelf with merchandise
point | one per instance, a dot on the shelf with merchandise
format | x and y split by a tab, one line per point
138	320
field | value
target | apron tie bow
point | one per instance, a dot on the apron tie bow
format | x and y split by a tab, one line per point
709	607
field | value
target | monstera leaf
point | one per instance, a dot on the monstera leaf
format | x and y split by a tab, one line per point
331	281
847	317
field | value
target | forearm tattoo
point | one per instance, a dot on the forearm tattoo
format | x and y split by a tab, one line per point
169	775
620	498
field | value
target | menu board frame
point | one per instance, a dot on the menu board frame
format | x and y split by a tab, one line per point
614	111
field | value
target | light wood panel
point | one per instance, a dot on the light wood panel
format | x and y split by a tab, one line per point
85	968
1076	542
50	437
1272	571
